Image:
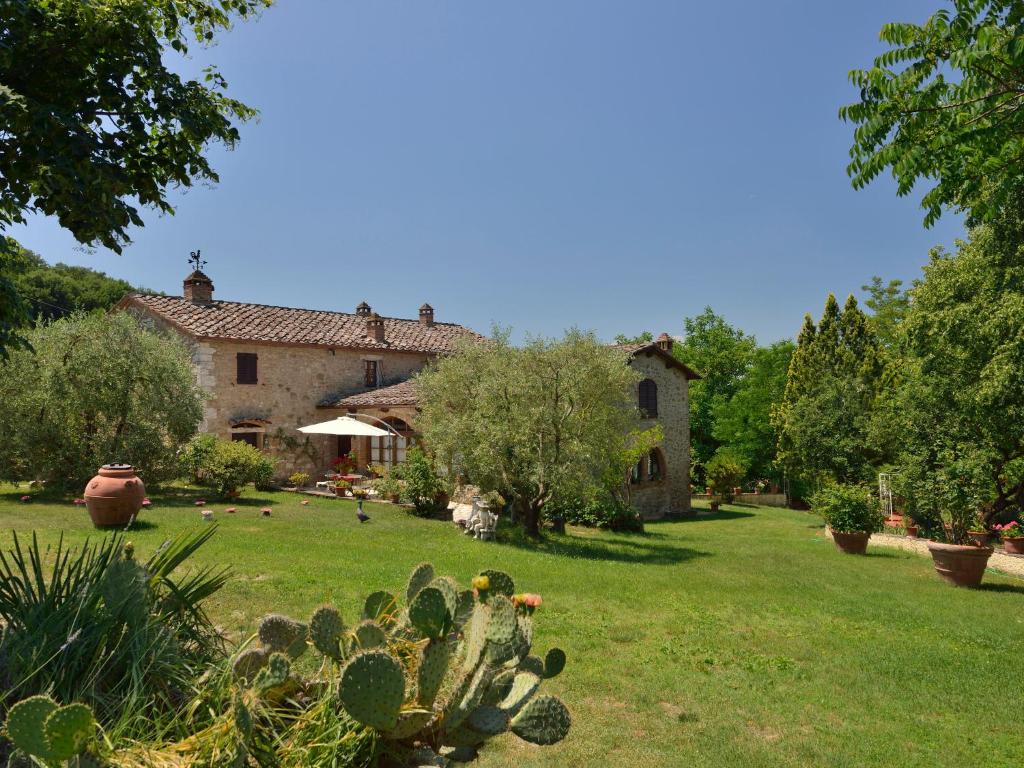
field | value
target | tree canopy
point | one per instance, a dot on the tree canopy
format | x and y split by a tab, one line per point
943	105
98	389
547	418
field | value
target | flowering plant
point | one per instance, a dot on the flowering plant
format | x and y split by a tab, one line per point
1009	530
344	465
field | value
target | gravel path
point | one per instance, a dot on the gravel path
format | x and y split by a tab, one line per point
1011	564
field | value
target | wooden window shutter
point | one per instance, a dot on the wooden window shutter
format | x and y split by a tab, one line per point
246	368
648	398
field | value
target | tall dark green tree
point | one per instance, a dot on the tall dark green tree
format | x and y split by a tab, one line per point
943	104
94	120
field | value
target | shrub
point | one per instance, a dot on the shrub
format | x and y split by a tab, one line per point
298	479
422	485
126	637
848	508
225	465
598	511
724	471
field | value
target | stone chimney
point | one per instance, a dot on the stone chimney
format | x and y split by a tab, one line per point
363	310
664	343
427	316
198	288
375	327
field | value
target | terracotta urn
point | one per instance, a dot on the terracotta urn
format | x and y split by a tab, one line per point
960	565
911	531
1014	545
115	495
855	543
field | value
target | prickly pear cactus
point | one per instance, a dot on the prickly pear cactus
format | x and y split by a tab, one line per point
39	727
450	670
325	630
281	634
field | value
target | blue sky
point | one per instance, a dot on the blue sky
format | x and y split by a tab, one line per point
615	166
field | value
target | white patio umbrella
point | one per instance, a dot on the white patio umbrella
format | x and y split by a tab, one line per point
344	425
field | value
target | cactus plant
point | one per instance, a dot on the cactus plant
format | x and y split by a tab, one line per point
39	727
450	670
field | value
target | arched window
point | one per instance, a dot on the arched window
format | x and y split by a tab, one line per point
655	471
648	399
251	431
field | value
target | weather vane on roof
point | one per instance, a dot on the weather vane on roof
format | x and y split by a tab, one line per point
195	260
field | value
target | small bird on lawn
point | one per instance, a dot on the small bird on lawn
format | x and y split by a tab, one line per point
363	517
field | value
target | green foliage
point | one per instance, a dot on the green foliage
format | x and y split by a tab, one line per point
225	465
725	472
298	479
888	303
942	104
743	423
530	422
99	389
128	636
420	485
957	408
596	510
835	377
722	355
848	508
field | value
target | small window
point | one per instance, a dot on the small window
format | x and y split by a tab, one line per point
648	399
654	466
370	373
252	438
636	473
246	367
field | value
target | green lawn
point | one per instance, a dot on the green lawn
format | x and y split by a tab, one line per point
743	639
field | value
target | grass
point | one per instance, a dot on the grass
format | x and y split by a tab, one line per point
739	639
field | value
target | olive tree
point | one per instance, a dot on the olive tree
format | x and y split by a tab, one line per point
98	389
549	417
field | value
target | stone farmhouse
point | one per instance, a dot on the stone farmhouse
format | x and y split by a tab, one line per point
268	370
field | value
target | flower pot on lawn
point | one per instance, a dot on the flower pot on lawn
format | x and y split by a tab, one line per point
114	495
855	543
911	531
1014	546
960	565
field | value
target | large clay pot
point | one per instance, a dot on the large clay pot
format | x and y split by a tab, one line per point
960	565
851	543
1014	546
911	530
115	495
979	538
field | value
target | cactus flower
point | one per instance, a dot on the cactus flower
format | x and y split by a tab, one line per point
531	601
481	583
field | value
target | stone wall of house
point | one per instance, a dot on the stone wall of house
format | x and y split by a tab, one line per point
672	493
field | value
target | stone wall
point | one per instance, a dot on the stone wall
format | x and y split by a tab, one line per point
671	494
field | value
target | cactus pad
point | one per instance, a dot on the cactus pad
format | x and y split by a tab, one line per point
501	583
243	717
488	720
554	662
500	687
248	664
501	624
26	725
369	635
410	723
281	634
543	721
69	730
373	688
430	674
522	690
421	575
532	664
325	628
464	608
380	607
450	589
428	612
275	674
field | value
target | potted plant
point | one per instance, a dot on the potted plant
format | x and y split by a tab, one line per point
341	487
957	490
910	525
298	479
852	514
360	493
1012	535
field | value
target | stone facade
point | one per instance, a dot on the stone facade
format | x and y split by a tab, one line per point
671	493
288	384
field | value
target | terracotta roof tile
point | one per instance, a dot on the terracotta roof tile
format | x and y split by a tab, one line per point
403	393
236	321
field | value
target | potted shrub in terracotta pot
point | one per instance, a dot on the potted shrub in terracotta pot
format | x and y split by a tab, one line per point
959	559
1012	535
852	514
